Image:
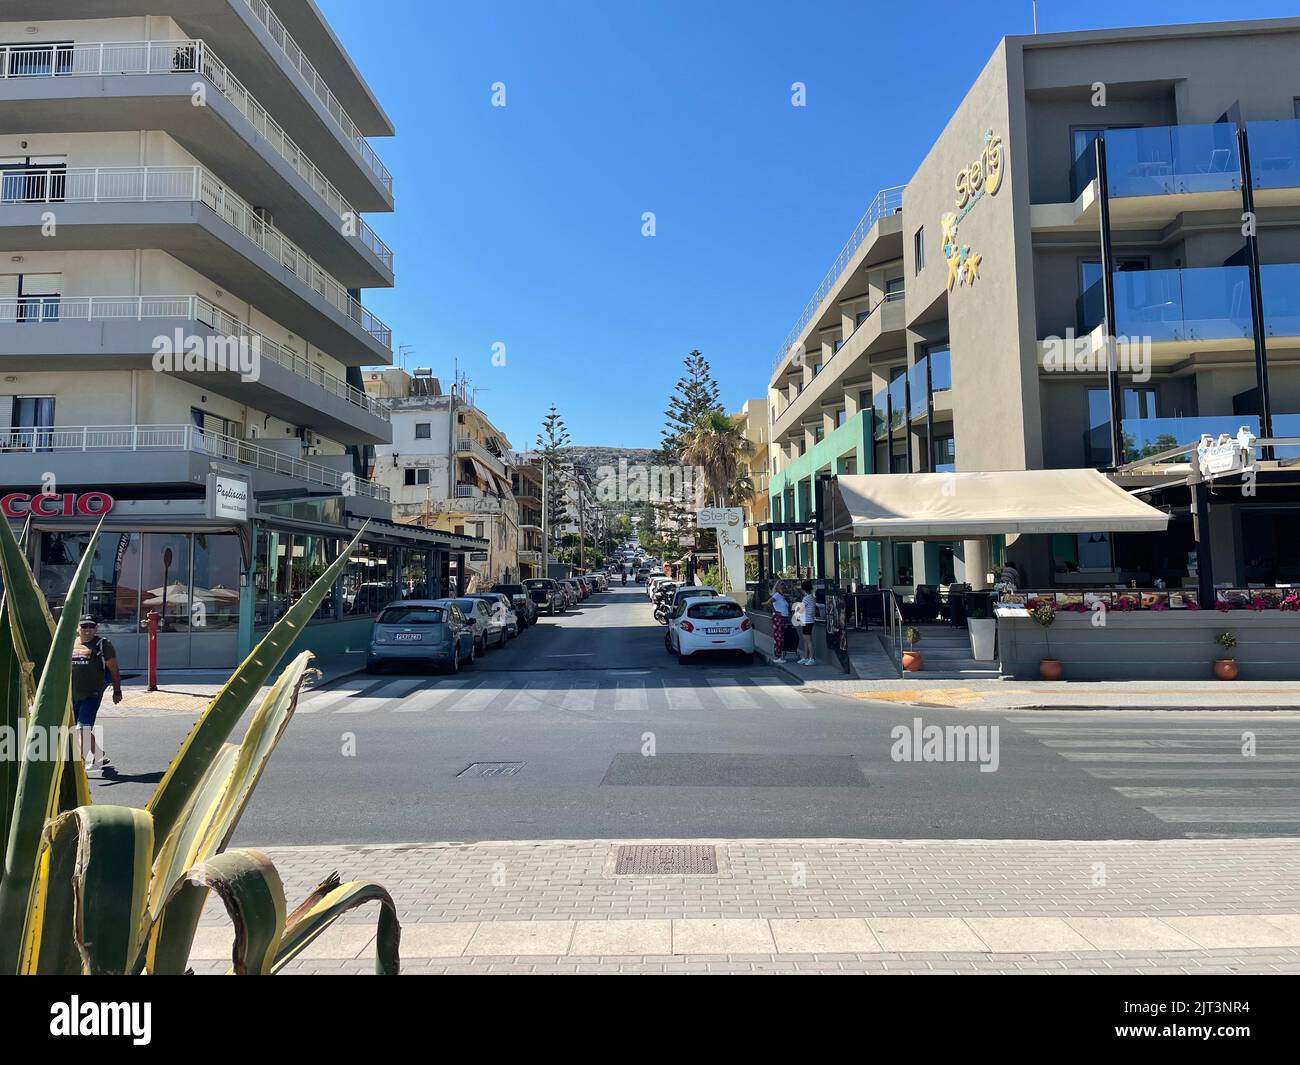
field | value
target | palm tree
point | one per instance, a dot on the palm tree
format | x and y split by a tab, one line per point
717	445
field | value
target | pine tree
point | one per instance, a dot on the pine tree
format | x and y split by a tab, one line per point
551	441
695	395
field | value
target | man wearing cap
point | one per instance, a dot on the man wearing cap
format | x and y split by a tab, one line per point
94	665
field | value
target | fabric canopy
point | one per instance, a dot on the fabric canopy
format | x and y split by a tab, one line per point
955	506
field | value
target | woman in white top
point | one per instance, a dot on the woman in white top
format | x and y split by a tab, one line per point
780	619
809	605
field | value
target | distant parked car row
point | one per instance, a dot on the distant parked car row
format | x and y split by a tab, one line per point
452	632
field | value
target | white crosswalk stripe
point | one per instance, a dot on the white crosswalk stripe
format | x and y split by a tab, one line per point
1189	773
532	696
682	695
431	699
785	695
732	695
473	699
630	697
377	697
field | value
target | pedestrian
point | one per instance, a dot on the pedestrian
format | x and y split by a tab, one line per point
1010	574
780	620
809	605
94	667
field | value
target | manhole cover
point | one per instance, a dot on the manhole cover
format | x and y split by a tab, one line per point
491	769
665	860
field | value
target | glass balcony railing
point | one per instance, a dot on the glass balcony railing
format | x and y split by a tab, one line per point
1166	160
1212	303
879	414
1281	287
918	394
1274	154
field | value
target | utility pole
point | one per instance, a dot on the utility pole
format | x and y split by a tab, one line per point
546	506
582	524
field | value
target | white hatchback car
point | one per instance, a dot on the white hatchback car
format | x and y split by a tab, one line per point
712	623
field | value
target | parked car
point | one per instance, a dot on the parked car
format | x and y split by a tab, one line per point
525	608
710	624
584	587
421	630
642	574
547	595
485	624
688	591
574	592
598	580
503	611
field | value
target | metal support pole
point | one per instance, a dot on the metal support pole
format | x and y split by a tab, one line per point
1250	224
1113	390
1200	489
820	486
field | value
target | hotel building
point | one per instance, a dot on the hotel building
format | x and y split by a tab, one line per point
962	327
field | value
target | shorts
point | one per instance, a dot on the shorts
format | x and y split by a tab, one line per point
807	630
85	710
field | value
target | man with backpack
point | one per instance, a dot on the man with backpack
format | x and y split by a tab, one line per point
94	667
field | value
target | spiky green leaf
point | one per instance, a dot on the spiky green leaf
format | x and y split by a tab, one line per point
327	904
250	888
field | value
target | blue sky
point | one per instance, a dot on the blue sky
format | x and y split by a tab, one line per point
522	225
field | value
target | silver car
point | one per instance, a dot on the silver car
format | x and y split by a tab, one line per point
430	631
487	627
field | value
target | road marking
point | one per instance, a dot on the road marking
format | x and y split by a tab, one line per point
784	694
530	697
431	698
1152	773
731	694
630	698
376	697
1169	756
581	699
474	699
1227	815
1265	792
682	696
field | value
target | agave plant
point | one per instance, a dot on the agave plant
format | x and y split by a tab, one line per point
115	889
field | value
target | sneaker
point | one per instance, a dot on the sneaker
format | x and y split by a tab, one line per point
810	661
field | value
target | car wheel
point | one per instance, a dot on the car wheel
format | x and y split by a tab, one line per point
472	648
683	659
668	644
453	667
374	667
483	648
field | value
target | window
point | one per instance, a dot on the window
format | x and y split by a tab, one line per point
841	416
819	434
1137	403
416	475
36	60
918	249
423	430
30	297
894	288
861	317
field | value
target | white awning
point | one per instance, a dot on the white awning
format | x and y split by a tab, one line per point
955	506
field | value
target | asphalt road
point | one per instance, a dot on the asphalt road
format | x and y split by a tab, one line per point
584	727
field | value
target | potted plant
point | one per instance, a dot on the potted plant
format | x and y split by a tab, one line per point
912	658
982	626
1226	668
1044	615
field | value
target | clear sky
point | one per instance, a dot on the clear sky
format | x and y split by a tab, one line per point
522	225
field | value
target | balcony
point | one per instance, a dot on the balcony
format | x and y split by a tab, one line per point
147	443
50	89
1181	311
120	333
878	331
100	208
467	445
1144	437
887	202
1155	173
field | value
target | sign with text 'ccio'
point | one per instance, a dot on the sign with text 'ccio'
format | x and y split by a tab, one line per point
56	504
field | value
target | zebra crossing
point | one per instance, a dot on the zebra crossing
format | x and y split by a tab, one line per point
1209	777
583	695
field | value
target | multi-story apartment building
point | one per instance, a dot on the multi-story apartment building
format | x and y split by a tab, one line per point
183	251
446	469
939	339
752	418
526	482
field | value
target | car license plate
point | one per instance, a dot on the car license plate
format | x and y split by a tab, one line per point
407	637
718	632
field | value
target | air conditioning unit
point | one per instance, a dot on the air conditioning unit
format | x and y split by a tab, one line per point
265	215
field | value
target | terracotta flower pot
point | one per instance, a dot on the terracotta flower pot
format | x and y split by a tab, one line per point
1049	668
1225	668
913	661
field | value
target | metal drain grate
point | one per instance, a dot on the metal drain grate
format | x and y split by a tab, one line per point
491	769
666	860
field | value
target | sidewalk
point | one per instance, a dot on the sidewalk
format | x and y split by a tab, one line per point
190	690
811	906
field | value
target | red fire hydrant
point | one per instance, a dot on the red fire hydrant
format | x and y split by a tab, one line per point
153	617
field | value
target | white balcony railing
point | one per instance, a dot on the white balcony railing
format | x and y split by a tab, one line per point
887	202
105	59
153	184
316	83
190	438
26	310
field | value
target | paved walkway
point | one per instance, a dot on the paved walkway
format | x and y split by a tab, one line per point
815	906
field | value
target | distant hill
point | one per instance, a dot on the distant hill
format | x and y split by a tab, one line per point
593	457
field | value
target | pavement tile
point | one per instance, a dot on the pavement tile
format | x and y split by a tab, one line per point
445	939
910	934
723	936
1228	930
1024	934
615	937
521	938
1130	933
